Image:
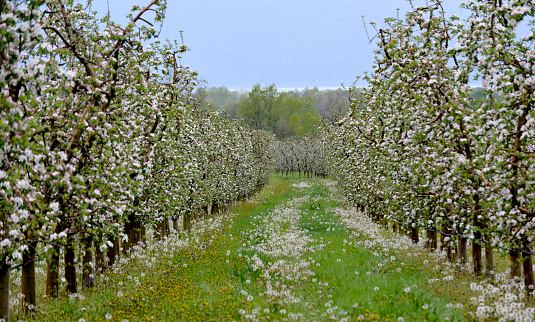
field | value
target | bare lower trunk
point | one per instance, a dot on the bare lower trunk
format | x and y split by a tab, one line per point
142	232
489	261
52	274
113	251
87	263
5	272
175	224
528	273
215	209
477	258
186	221
165	227
449	245
394	228
99	258
463	250
28	279
414	235
204	212
431	239
516	268
70	268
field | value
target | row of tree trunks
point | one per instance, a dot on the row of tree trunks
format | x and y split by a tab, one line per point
136	232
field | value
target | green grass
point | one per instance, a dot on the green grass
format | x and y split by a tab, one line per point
195	283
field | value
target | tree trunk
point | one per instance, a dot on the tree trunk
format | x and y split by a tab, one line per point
431	239
394	228
215	209
414	235
113	251
175	224
87	262
528	273
165	228
186	221
477	258
99	258
5	272
434	243
516	269
448	246
52	274
133	230
70	268
142	232
463	250
489	261
28	278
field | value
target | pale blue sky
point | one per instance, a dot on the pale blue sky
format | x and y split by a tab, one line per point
292	43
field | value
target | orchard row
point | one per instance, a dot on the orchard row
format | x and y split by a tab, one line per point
418	151
100	137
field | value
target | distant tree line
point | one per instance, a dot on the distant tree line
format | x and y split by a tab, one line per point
286	114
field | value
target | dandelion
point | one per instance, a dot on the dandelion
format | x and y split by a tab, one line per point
242	311
400	319
407	290
108	316
81	320
425	306
376	288
283	311
249	298
119	294
355	305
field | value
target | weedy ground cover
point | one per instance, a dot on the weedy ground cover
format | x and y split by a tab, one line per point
289	253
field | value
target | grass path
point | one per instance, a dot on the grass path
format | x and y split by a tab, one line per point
284	255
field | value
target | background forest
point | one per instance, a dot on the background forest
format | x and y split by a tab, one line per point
285	113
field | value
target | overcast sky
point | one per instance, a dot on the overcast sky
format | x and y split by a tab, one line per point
292	43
